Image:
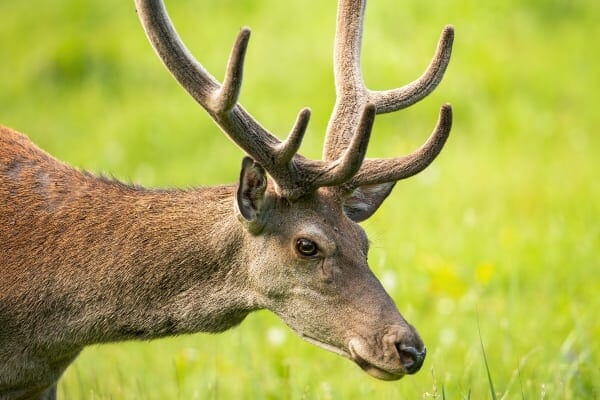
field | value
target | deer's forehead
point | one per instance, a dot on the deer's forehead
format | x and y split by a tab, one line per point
317	210
321	219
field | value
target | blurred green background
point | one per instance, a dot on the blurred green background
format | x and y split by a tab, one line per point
498	241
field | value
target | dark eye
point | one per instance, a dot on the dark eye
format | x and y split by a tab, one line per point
306	247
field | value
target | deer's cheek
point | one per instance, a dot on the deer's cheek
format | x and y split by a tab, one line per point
329	276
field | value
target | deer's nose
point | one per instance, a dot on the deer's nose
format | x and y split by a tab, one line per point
410	357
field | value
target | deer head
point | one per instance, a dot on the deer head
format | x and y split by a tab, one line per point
307	255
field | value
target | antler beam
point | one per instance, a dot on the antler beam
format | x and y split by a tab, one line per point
351	122
293	174
352	93
376	171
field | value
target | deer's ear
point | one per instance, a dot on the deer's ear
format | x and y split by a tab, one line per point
365	200
250	196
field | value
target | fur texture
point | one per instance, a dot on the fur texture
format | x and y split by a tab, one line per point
88	260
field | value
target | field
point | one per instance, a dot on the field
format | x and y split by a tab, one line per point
496	246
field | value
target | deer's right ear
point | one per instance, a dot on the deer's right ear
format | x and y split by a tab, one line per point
250	196
365	200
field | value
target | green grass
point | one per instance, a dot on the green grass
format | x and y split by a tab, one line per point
503	228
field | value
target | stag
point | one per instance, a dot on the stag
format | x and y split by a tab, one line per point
85	259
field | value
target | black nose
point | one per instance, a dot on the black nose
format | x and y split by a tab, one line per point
411	358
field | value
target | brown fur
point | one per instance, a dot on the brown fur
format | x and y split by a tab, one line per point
89	260
85	259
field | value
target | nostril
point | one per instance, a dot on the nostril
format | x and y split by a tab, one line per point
411	358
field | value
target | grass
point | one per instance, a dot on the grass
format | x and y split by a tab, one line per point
503	228
487	368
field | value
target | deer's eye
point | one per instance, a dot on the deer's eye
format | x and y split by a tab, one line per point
306	247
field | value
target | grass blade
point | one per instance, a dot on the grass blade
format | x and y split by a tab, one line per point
487	367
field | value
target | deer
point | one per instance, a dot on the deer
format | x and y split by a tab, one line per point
86	259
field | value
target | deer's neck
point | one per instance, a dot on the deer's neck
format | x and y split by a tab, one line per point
183	268
111	262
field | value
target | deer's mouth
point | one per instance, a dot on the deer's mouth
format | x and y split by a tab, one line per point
372	369
352	354
326	346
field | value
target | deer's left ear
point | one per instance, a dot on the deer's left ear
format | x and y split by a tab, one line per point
365	200
250	196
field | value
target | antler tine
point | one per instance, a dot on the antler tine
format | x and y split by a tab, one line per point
351	122
352	94
407	95
315	174
224	99
221	101
286	150
376	171
350	162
